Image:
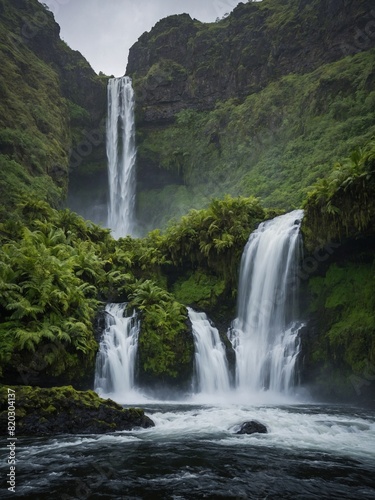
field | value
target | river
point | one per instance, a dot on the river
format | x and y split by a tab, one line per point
311	451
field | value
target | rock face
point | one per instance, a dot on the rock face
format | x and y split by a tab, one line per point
61	127
33	27
252	427
183	63
63	410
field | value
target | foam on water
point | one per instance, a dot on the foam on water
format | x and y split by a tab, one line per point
289	427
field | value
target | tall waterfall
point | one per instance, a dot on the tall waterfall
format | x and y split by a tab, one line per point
265	333
115	361
121	155
210	359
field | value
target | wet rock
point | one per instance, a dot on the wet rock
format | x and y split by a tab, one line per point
252	427
63	410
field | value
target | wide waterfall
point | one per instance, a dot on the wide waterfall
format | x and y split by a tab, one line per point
115	362
265	333
210	359
121	154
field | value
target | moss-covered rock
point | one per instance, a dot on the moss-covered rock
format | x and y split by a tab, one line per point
338	343
166	346
199	289
63	410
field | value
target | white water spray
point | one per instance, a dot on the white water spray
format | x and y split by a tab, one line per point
115	362
210	359
121	155
265	333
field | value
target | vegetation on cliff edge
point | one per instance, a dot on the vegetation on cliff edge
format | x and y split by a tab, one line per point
274	144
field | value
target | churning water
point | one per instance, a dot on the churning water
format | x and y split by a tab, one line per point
310	452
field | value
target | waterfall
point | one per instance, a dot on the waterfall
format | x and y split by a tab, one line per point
121	154
115	362
265	333
210	359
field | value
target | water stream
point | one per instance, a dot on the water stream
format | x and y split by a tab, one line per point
121	155
311	451
115	363
265	332
211	364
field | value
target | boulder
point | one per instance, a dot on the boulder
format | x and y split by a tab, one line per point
252	427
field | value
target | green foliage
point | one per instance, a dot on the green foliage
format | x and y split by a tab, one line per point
166	348
164	71
44	90
273	145
342	204
78	115
16	184
344	300
214	237
51	273
33	119
56	268
199	290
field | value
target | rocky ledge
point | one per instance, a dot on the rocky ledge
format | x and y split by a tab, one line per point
63	410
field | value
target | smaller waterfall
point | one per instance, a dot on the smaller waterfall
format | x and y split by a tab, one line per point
121	154
210	358
115	362
265	333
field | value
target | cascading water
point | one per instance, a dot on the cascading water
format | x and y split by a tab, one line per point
115	362
121	155
210	359
265	333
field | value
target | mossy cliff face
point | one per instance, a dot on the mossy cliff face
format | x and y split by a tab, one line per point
338	344
63	410
50	100
258	104
165	355
183	63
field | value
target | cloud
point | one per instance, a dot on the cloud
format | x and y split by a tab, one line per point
103	31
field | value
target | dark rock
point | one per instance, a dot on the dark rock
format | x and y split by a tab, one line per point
252	427
63	410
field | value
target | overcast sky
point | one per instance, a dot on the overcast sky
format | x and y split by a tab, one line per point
104	30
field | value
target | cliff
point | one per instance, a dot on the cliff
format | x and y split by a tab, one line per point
50	97
258	103
183	63
337	275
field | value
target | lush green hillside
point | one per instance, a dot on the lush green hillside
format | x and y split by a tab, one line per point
259	103
57	272
339	272
49	97
271	137
273	145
